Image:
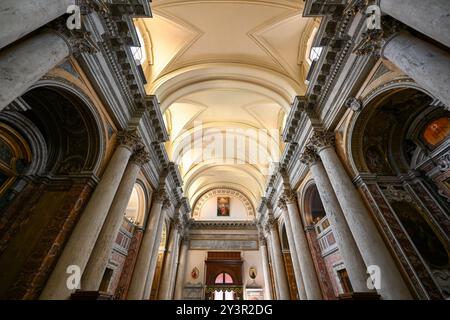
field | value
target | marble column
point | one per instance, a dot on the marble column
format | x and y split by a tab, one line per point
173	275
82	240
93	274
365	233
170	260
354	263
295	259
273	281
265	266
20	17
155	252
424	62
431	17
179	283
24	63
278	261
307	268
138	280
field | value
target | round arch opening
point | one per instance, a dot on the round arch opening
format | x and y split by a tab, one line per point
135	211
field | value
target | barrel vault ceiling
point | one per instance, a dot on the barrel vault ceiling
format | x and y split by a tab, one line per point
220	66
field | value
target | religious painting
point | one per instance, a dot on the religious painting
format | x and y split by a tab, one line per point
195	273
223	206
437	131
252	273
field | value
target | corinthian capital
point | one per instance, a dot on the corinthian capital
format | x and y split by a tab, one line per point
129	139
282	204
321	140
140	156
374	40
78	41
289	196
160	195
309	157
271	223
166	204
262	239
355	6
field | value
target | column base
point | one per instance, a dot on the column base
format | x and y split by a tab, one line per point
359	296
91	295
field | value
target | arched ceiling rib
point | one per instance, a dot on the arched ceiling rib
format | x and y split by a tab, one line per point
225	65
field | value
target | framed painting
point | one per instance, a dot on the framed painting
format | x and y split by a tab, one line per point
223	206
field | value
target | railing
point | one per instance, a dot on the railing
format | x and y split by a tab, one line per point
211	290
325	236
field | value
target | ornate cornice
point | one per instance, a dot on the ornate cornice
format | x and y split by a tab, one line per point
355	6
78	41
224	225
166	203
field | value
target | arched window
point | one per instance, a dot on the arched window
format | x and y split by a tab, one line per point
139	52
136	206
224	278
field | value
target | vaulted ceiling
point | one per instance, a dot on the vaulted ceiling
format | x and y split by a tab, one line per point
221	66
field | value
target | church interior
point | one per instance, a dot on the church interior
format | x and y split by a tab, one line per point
224	150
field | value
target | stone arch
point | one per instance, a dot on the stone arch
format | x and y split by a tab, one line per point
370	103
71	99
383	142
137	205
223	192
303	199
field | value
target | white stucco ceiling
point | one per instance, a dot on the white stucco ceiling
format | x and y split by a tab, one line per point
226	64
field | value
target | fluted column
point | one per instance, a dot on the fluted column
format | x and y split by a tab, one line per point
24	63
278	261
354	263
154	253
164	289
265	266
431	17
20	17
307	268
371	246
138	280
93	274
83	238
295	259
179	284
